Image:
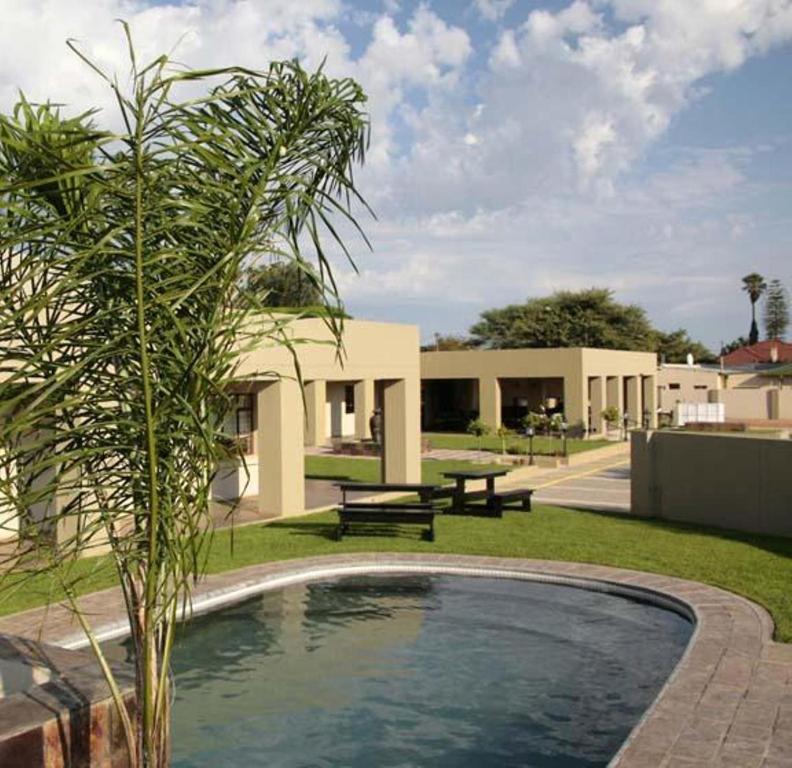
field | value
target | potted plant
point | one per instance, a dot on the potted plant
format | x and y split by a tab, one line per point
610	416
503	433
478	429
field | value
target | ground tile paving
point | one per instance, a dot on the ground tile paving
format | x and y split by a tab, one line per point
728	703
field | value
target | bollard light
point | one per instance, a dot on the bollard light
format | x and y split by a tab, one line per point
529	433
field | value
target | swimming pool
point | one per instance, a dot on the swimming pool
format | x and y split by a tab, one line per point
420	670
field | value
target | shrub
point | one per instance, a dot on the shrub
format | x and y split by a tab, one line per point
611	414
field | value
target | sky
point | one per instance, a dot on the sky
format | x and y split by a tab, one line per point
518	146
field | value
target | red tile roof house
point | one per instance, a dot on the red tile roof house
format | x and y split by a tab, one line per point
764	352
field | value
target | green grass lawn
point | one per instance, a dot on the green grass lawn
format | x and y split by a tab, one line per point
542	445
758	567
368	470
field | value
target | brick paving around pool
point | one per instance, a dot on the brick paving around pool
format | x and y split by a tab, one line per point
728	703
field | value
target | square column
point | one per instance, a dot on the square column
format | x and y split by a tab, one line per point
401	454
9	520
634	406
613	393
598	400
650	399
490	402
576	403
364	407
280	447
315	416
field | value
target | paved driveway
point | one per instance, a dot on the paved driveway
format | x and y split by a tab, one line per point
606	490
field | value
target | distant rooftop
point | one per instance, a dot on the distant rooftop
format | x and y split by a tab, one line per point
768	352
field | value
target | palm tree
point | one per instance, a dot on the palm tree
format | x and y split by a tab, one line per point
121	322
754	285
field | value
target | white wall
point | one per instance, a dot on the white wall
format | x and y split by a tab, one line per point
231	482
339	423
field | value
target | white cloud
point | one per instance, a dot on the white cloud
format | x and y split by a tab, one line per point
493	10
497	168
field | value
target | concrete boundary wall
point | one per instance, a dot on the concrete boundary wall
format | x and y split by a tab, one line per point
754	403
738	482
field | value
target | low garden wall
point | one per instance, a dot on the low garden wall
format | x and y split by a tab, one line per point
754	403
729	481
56	709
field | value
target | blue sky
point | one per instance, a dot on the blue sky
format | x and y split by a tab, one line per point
518	146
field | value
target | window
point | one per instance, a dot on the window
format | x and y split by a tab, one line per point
699	386
674	386
349	398
239	423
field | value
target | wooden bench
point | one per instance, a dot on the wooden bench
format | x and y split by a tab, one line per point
521	496
386	514
425	491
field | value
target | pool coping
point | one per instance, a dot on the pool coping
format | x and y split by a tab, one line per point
728	701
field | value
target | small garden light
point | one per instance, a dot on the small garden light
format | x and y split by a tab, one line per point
529	433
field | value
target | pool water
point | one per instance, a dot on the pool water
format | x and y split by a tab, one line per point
420	671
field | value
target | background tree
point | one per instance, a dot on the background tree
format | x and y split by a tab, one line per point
675	346
776	311
286	284
754	285
478	429
589	318
121	322
731	346
448	343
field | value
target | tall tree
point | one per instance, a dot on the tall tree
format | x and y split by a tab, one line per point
286	284
120	320
754	285
776	311
589	318
675	346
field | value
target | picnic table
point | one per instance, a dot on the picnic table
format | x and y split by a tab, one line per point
387	514
425	491
461	500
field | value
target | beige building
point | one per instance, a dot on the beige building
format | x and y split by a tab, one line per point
275	419
680	383
378	368
501	386
752	394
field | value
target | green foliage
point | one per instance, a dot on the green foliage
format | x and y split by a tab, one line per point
754	285
675	346
448	343
285	284
539	421
589	318
478	428
121	318
737	343
556	422
776	311
611	414
503	433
